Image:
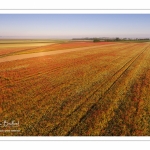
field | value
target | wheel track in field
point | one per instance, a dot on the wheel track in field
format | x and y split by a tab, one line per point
41	73
56	87
128	64
126	108
57	67
67	116
94	105
44	96
35	75
52	70
47	95
26	49
124	48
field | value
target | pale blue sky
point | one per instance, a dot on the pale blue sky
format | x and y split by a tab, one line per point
74	25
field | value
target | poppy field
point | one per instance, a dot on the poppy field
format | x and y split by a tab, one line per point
100	91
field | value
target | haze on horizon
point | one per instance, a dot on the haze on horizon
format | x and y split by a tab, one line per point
65	26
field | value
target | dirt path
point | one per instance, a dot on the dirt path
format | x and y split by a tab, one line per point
24	56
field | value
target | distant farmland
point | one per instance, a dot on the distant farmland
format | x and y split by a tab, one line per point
88	89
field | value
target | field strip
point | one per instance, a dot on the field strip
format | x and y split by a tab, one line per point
25	56
118	74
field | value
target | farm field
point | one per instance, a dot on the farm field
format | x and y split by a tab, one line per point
89	89
9	48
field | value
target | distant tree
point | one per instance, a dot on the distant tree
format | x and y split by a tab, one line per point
96	40
117	39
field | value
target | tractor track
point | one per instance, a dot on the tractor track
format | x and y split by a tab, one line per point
125	67
129	63
83	103
94	105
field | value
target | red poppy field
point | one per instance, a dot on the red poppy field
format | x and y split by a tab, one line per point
100	91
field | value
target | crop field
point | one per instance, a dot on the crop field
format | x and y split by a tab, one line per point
12	48
101	90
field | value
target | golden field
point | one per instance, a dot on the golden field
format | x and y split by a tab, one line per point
102	90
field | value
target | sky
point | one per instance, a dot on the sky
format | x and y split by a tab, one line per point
74	25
